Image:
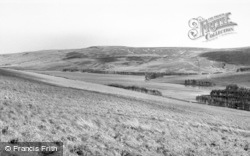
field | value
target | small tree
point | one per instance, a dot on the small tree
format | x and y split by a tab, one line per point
232	87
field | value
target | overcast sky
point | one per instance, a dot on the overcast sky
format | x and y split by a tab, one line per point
30	25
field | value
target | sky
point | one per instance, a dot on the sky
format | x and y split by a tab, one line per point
31	25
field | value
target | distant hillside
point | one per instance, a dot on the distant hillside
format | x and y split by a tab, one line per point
236	57
121	58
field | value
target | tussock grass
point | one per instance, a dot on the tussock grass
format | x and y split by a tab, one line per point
90	123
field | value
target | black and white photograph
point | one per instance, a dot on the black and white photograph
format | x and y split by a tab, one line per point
124	78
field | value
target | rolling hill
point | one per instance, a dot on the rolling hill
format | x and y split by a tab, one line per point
92	119
119	58
236	57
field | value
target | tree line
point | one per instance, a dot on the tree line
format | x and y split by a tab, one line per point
138	89
148	75
198	83
232	97
243	69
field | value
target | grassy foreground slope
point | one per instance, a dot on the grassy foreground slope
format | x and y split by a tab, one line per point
92	123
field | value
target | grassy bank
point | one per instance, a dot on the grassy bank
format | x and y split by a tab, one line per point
91	123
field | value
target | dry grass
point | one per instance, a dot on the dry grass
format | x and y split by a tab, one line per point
91	123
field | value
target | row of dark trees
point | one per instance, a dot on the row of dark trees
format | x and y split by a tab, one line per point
198	83
232	97
102	71
70	70
243	69
138	89
112	72
148	75
154	75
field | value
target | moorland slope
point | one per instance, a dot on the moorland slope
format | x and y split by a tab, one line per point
119	58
